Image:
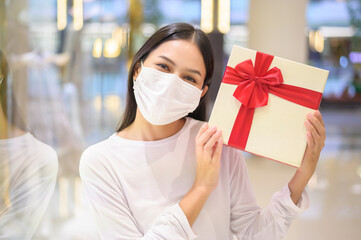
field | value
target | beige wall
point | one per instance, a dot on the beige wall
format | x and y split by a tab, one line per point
278	27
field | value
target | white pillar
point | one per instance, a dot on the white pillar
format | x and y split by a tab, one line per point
278	27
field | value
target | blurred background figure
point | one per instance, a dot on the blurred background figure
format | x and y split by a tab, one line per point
69	61
28	168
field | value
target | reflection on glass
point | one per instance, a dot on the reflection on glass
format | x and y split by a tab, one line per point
28	168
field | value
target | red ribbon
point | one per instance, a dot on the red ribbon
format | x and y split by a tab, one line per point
254	84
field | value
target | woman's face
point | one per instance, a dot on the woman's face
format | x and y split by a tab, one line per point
180	57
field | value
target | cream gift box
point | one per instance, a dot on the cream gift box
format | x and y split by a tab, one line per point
263	102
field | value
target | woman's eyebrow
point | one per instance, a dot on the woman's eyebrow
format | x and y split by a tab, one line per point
193	71
168	60
173	63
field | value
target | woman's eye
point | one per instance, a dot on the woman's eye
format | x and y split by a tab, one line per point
188	78
163	66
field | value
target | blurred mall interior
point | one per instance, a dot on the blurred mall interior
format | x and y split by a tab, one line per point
68	62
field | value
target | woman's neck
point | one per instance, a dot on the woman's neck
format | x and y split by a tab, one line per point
142	130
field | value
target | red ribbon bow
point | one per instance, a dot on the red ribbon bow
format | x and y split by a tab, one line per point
254	84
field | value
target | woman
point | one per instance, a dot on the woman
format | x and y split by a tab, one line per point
28	168
166	176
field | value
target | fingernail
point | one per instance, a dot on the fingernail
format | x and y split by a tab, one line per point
307	123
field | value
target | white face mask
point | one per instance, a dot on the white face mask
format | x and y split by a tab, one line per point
163	98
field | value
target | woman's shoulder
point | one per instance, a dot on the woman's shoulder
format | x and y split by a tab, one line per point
47	155
95	151
107	156
90	159
31	156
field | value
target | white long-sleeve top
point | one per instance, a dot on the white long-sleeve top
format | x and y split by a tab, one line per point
28	170
134	189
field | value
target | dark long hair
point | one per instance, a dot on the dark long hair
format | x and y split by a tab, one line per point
9	105
175	31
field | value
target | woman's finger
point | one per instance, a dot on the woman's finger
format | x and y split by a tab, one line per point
202	130
309	148
310	144
203	139
217	152
211	142
310	140
199	145
312	130
318	115
316	124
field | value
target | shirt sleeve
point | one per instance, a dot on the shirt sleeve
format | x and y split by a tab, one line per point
113	217
248	220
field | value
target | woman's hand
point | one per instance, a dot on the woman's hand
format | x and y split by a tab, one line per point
208	152
316	136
